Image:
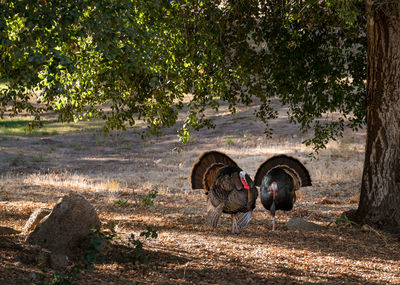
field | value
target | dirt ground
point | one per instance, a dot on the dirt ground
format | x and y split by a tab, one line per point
116	171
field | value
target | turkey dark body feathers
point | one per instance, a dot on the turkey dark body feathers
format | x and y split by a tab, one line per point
286	195
279	177
227	188
220	177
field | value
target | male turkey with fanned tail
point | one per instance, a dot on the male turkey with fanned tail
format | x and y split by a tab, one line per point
228	188
278	178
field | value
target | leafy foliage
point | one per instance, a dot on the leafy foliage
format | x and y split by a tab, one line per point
60	278
148	199
121	202
96	243
138	255
121	61
344	221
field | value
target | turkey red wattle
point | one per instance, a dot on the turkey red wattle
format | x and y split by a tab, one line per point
273	189
242	176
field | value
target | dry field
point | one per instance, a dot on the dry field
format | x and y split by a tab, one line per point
35	171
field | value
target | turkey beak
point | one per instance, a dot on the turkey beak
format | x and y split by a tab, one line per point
274	189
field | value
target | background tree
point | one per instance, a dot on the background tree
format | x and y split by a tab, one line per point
380	189
126	60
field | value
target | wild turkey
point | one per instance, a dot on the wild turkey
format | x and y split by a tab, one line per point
228	188
278	178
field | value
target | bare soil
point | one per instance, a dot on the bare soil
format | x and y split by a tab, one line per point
107	169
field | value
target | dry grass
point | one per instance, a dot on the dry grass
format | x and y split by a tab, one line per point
121	167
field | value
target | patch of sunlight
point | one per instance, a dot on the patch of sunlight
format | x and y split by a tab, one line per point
18	126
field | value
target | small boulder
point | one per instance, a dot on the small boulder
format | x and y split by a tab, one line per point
302	225
67	227
35	218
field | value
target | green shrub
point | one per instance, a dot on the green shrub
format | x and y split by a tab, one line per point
344	221
121	203
148	199
138	255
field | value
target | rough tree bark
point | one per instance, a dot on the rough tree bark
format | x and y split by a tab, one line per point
380	190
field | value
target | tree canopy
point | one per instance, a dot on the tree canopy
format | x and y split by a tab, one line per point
140	58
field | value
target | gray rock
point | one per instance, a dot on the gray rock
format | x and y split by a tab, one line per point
67	227
36	217
302	225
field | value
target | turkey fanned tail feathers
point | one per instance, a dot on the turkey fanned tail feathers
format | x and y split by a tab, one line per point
209	161
290	165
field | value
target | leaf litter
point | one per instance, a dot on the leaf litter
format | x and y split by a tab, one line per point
187	251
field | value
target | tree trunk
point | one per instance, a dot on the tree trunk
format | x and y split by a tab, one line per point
380	190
